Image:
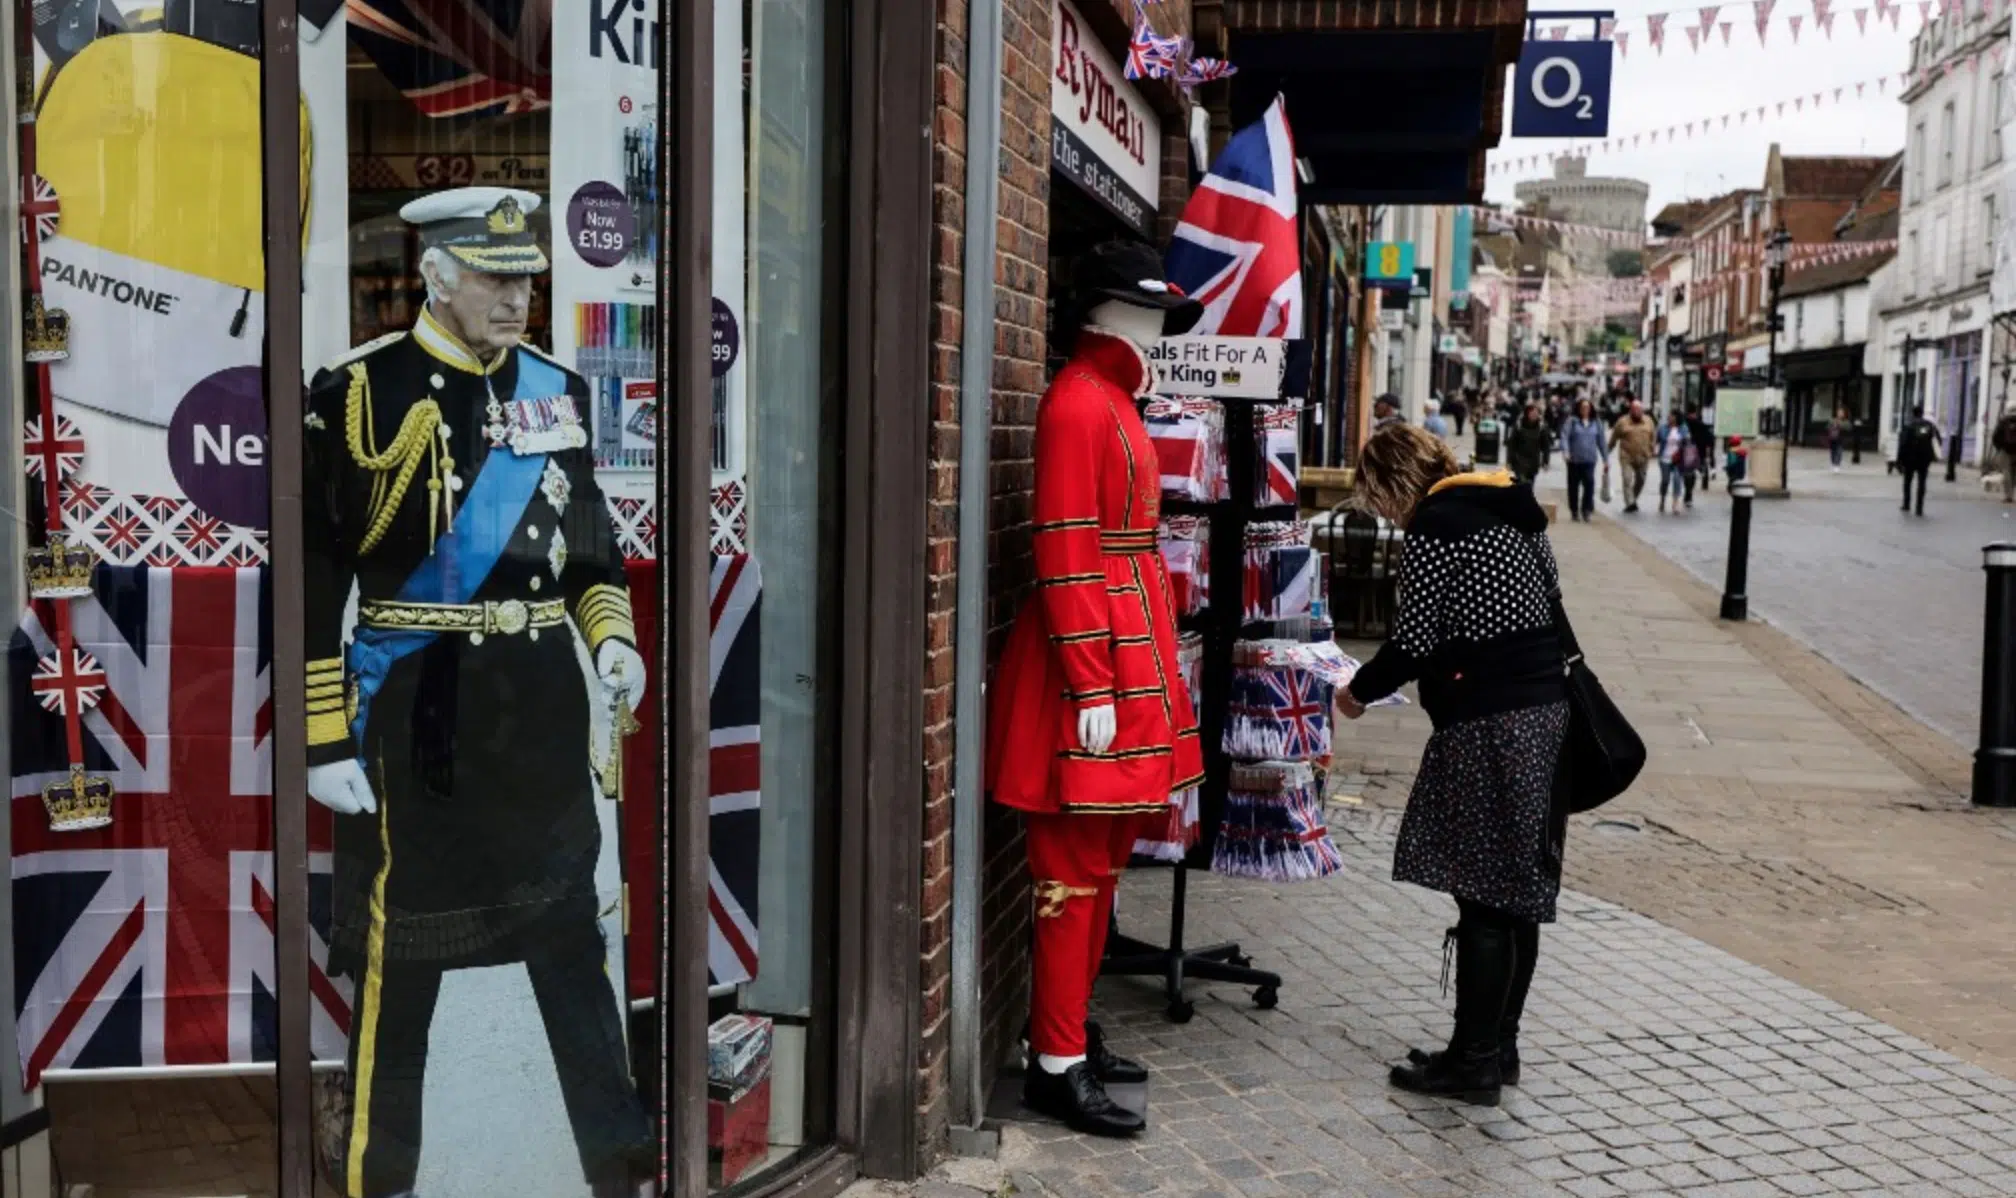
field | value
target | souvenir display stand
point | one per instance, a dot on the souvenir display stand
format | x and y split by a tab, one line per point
1222	624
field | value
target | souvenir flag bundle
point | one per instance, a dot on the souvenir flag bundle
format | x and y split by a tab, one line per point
1189	440
1277	428
1186	551
1280	699
1172	842
1273	827
1280	573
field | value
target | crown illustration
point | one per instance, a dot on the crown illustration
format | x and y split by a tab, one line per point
507	216
47	337
60	570
1230	375
78	803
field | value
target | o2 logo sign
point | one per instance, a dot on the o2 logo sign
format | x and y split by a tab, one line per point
1562	89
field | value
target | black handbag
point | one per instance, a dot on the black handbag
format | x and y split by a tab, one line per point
1602	754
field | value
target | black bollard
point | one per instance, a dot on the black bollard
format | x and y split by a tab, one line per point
1735	600
1855	445
1995	760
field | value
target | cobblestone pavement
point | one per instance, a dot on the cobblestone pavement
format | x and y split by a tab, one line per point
1894	600
1655	1064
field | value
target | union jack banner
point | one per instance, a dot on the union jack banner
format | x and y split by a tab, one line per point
460	57
1237	250
734	771
64	452
40	209
1189	440
1150	55
150	942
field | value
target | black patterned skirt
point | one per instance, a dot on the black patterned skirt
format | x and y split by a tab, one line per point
1480	822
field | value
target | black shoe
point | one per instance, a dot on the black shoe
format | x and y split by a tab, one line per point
1110	1066
1076	1097
1486	954
1508	1060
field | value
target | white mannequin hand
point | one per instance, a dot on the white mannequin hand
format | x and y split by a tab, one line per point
1095	728
621	668
342	787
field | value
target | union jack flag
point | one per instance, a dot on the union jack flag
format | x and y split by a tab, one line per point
734	778
65	450
40	209
1237	250
150	942
460	57
1300	703
1150	55
1280	431
1206	70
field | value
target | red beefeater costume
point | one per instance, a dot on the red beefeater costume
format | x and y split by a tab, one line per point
1100	630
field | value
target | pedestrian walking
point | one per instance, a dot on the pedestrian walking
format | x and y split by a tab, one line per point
1703	437
1433	422
1918	446
1458	408
2004	440
1636	439
1476	629
1586	446
1526	448
1676	465
1837	438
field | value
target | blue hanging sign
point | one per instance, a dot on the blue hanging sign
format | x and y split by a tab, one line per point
1561	88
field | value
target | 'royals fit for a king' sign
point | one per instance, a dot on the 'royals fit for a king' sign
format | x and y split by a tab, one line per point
1103	136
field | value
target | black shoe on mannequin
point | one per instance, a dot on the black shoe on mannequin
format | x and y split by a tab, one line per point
1468	1068
1110	1067
1077	1098
1526	942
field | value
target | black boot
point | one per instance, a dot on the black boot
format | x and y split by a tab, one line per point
1468	1068
1076	1097
1526	943
1110	1066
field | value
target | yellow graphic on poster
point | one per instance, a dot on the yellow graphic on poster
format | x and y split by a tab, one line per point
151	142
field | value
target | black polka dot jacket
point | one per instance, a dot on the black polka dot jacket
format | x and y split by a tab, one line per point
1475	627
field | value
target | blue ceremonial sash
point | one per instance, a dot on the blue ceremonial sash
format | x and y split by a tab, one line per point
465	555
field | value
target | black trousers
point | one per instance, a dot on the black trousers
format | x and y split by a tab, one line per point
1920	474
394	1012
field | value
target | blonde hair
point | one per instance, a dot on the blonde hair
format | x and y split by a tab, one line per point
1397	466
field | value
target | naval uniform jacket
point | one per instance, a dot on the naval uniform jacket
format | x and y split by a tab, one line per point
476	745
1100	628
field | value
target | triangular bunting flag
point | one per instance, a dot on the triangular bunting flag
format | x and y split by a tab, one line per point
1924	11
1725	33
1606	27
1763	14
1655	31
1861	20
1556	33
1793	21
1619	37
1693	38
1708	12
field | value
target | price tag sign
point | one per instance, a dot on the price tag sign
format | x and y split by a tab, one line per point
600	225
727	338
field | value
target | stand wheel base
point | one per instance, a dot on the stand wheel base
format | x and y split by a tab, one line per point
1239	960
1181	1010
1266	998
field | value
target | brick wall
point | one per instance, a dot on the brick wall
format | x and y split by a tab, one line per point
1021	276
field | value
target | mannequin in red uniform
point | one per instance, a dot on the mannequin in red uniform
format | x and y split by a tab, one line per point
1091	728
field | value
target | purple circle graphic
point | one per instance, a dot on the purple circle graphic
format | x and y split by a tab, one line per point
727	338
217	446
600	225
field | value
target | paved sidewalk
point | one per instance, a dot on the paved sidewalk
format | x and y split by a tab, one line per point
1784	964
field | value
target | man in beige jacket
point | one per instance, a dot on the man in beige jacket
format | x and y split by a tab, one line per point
1635	435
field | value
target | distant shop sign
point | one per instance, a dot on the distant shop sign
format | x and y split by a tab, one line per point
1103	136
1390	264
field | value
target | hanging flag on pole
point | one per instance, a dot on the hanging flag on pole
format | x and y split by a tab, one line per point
1237	249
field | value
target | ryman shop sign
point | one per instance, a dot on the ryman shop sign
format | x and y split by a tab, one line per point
1103	136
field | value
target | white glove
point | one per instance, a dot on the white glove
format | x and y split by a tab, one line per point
342	787
1095	728
621	668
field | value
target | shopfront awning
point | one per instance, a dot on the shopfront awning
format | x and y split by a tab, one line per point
1389	105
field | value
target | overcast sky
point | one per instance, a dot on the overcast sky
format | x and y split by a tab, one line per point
1651	91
